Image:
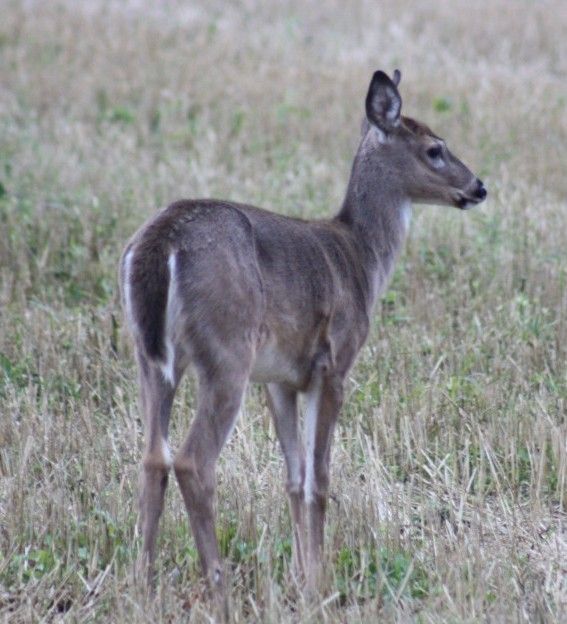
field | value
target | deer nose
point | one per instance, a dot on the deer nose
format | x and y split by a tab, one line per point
480	192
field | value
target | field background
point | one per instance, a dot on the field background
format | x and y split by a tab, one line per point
449	490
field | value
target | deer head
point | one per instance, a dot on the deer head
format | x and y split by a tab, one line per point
415	162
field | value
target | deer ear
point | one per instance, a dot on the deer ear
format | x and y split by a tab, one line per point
383	102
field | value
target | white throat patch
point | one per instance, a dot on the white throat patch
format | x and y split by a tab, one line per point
405	212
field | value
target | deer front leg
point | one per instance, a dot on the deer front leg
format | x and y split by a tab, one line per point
283	404
323	403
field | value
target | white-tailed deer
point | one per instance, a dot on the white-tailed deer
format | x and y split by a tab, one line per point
243	294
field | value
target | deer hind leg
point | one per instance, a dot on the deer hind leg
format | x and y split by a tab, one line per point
323	403
156	398
283	405
220	397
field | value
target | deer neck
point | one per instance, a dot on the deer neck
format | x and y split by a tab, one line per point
378	214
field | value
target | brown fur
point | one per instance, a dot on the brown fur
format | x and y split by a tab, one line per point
263	297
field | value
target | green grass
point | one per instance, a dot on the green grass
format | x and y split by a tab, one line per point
449	470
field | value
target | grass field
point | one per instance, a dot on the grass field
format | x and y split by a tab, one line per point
449	486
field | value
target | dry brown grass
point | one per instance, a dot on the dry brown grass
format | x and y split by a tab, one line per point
450	469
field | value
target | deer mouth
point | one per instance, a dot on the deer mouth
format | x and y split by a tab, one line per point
465	201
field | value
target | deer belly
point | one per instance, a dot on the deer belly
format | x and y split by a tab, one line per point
273	365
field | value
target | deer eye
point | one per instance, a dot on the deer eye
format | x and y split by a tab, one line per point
434	152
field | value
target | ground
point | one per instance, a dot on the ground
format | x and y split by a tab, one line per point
449	486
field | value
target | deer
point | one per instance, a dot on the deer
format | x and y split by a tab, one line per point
240	294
